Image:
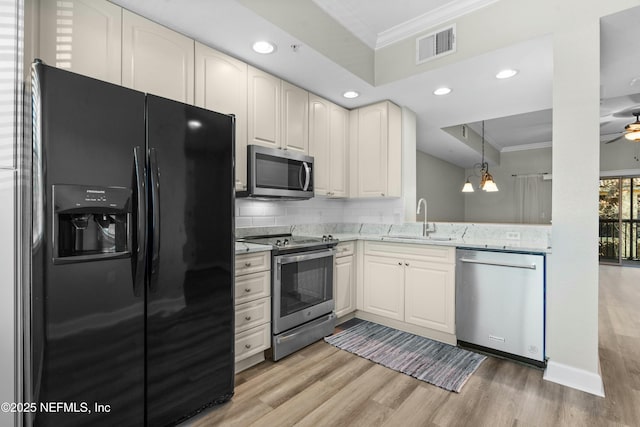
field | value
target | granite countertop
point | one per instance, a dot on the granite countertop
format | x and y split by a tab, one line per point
494	244
501	237
245	248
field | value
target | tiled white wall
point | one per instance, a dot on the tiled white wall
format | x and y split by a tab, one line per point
259	213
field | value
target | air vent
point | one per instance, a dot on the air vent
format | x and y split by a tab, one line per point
436	44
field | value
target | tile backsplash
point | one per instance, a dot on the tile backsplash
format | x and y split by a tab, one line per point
259	213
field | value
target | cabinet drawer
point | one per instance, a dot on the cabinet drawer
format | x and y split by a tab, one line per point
345	249
418	251
250	287
253	262
252	314
253	341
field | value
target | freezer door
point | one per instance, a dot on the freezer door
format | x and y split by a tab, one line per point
190	295
87	320
500	301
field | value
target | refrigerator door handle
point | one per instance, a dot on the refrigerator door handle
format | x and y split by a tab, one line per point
140	250
155	221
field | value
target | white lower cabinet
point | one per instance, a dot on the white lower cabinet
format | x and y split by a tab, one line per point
252	308
344	280
384	286
429	290
414	284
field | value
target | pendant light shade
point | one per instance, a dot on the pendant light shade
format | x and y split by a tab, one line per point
468	188
633	129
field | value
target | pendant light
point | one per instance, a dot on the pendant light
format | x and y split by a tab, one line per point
486	179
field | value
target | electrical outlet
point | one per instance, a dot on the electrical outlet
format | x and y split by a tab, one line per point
513	235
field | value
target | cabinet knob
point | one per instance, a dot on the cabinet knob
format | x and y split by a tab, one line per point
382	194
247	264
247	290
247	346
399	263
407	264
247	318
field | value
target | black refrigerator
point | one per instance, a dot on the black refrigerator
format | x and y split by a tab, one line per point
132	257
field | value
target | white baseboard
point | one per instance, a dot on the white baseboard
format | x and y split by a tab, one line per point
575	378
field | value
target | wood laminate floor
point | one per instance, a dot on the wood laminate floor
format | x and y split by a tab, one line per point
323	386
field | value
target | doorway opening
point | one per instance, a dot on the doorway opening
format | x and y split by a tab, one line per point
619	212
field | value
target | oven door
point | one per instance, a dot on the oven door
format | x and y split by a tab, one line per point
302	288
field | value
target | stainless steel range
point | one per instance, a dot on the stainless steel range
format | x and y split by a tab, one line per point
301	290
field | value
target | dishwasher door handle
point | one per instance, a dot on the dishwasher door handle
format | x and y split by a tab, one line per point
498	264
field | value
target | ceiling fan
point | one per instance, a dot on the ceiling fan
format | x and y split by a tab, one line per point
631	131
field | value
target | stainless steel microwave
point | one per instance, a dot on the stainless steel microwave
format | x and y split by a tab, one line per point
273	173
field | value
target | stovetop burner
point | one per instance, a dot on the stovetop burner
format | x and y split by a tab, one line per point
288	242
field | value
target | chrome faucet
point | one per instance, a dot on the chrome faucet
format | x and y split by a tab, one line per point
424	224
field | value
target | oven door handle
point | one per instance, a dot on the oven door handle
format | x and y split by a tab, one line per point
288	259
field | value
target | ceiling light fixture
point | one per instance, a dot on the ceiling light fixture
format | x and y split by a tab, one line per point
264	47
486	179
442	91
506	73
350	94
633	129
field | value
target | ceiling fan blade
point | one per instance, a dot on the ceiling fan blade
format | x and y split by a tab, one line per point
614	139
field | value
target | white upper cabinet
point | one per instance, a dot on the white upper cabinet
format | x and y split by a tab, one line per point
156	59
83	36
319	144
221	85
295	118
328	144
377	156
264	108
339	142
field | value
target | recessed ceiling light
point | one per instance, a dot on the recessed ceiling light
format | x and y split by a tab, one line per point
264	47
442	91
507	73
351	94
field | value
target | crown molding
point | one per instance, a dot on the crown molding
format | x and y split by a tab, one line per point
429	20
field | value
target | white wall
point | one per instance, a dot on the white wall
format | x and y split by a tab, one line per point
572	294
440	182
9	312
480	206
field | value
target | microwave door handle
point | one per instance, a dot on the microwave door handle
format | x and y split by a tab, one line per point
300	176
307	171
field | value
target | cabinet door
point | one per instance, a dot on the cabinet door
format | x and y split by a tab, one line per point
319	144
83	36
372	150
264	108
221	85
383	292
430	295
345	285
339	138
295	118
156	60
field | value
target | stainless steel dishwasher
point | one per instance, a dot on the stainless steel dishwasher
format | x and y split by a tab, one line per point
500	303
